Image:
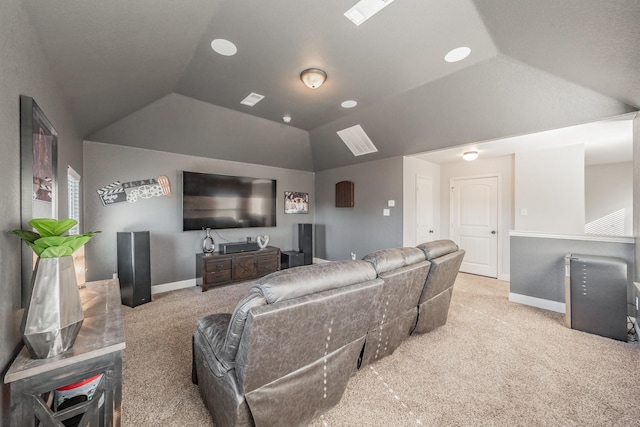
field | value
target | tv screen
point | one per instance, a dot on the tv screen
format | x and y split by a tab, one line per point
222	201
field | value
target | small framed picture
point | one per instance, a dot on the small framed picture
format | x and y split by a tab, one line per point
296	202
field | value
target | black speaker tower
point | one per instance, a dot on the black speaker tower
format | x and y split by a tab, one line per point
134	267
305	242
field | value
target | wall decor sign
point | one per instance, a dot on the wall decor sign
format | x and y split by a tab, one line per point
132	191
39	172
296	202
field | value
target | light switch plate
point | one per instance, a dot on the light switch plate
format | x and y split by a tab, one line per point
391	203
386	212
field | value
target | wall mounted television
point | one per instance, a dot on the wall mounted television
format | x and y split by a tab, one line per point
223	201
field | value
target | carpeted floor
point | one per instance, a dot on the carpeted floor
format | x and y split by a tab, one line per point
494	363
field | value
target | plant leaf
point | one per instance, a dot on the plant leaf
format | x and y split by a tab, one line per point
47	242
26	235
76	241
52	227
35	248
56	252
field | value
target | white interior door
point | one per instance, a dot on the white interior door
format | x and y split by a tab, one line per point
474	223
424	210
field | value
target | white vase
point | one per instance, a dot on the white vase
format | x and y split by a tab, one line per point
53	315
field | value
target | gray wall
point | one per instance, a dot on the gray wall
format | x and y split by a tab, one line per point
23	71
361	229
172	251
537	264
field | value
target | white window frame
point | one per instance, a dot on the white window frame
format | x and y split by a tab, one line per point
74	191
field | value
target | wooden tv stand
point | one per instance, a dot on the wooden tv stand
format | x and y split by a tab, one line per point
218	269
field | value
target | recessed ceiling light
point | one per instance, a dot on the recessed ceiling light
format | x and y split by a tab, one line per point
286	118
224	47
252	99
365	9
457	54
349	104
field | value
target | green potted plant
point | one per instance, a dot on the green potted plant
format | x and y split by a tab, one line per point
53	315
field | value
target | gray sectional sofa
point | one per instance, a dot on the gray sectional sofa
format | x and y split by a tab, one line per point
287	352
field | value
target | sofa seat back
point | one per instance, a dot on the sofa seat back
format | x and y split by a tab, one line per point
404	271
292	344
445	257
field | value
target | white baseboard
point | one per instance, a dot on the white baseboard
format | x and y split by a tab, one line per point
558	307
319	260
166	287
504	277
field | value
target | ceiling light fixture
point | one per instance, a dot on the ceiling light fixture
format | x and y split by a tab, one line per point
349	104
365	9
224	47
470	155
313	77
457	54
286	118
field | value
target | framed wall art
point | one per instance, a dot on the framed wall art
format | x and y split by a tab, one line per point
38	175
296	202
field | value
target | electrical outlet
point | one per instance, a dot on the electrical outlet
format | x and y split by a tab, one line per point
637	304
353	255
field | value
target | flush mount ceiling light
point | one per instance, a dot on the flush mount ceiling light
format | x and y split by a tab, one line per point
457	54
365	9
313	77
470	155
349	104
286	118
224	47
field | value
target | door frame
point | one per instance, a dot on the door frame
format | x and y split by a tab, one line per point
500	231
436	229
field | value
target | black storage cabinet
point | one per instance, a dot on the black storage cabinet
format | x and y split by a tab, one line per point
134	267
596	295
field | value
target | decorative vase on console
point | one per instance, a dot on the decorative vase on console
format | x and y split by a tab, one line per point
208	245
53	316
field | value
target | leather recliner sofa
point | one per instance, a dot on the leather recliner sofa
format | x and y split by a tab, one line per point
433	308
286	353
404	271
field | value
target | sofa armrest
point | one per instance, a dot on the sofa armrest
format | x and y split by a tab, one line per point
210	336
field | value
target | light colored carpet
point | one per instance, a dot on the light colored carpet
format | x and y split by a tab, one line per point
494	363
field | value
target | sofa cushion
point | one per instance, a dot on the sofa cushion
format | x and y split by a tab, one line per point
311	279
437	248
391	259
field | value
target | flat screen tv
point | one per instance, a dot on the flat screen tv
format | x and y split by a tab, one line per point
222	201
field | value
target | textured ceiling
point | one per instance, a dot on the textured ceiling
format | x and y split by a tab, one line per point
535	65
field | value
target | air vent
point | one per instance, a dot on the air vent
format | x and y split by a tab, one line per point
252	99
357	141
365	9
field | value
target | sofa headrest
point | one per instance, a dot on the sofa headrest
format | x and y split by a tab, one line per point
390	259
437	248
310	279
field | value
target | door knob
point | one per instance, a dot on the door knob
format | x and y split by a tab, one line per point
431	231
493	231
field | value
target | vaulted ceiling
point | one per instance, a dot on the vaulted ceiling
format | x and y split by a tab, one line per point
534	65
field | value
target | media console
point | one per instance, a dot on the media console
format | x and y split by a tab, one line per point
218	269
